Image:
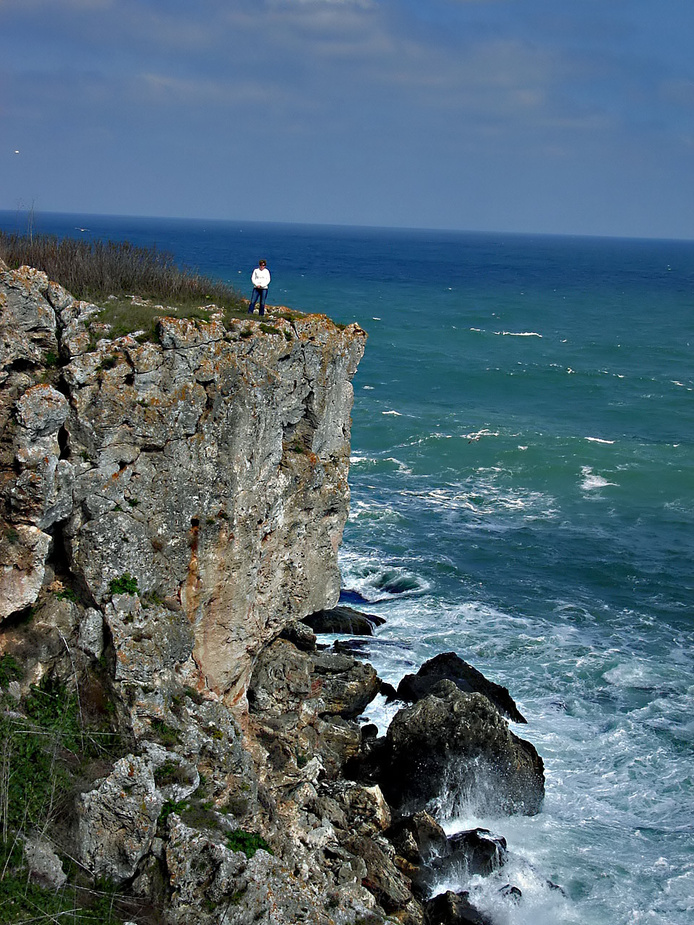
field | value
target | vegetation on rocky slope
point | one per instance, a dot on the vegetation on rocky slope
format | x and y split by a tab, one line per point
95	270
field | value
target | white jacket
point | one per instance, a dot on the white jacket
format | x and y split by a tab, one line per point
260	278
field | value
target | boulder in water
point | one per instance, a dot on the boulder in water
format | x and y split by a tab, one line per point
454	748
453	909
449	666
343	620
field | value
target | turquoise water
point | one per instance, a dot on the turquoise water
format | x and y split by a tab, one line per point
522	493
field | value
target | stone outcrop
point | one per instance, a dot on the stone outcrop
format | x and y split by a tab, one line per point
455	749
344	620
450	667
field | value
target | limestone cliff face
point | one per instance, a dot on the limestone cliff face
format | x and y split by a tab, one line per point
210	466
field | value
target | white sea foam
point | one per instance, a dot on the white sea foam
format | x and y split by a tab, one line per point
591	482
598	440
478	434
395	413
518	333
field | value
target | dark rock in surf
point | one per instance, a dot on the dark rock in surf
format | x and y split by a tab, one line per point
343	620
449	666
477	851
456	747
418	838
453	909
428	857
511	892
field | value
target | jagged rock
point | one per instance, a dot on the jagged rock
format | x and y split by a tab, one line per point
116	821
286	679
479	850
456	748
383	879
213	884
449	666
454	909
24	550
301	636
343	620
429	857
418	838
91	633
45	867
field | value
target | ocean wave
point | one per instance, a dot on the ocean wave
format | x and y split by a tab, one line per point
389	463
591	482
517	333
485	500
598	440
478	434
378	582
396	413
373	510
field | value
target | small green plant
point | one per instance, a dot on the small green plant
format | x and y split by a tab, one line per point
166	734
10	670
67	594
269	328
172	806
168	773
248	842
126	584
51	359
108	363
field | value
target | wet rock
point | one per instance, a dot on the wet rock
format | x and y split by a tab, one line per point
478	851
511	892
449	666
454	909
343	619
454	748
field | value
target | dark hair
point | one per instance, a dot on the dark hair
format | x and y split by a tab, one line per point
262	263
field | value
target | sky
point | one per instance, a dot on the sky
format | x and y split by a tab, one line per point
541	116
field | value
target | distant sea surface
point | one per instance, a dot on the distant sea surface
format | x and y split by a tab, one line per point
522	494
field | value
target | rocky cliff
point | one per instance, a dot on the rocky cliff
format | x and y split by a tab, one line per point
170	509
211	467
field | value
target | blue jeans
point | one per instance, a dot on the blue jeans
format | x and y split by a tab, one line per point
258	294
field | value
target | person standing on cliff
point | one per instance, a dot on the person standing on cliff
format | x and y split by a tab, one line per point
261	280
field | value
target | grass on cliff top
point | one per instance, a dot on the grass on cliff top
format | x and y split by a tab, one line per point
96	270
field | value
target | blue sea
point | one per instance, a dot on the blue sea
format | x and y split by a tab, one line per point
522	494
